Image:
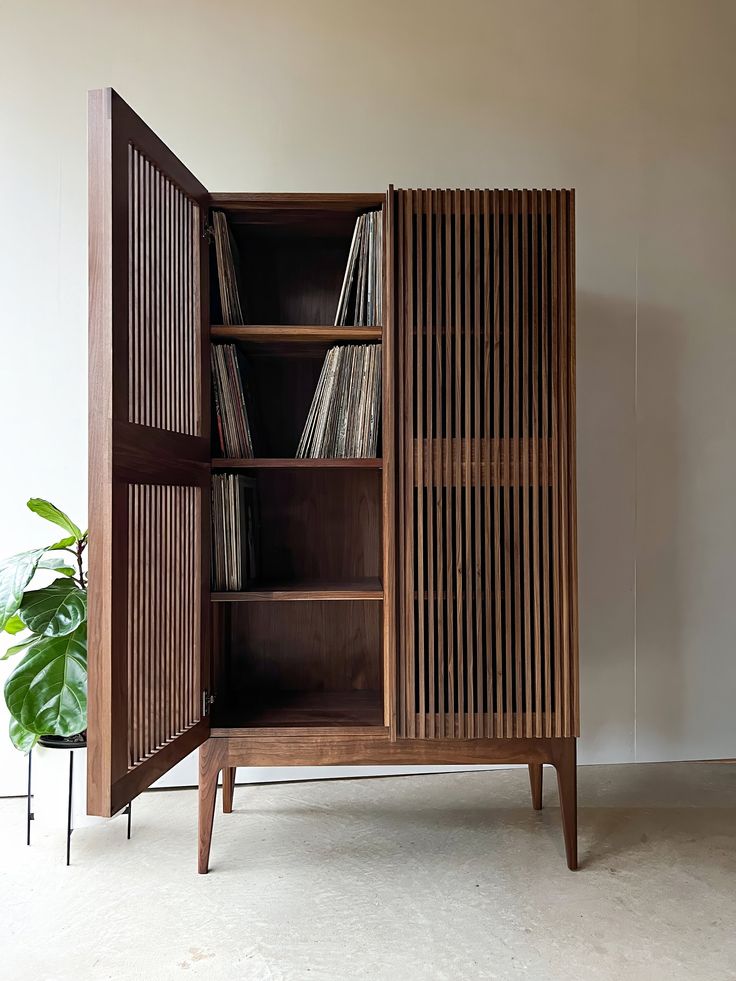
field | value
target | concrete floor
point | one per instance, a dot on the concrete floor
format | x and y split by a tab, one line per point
447	876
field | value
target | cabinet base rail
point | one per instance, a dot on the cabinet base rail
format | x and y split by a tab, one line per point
326	748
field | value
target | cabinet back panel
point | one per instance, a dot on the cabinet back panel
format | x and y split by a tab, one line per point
320	524
282	389
303	647
292	263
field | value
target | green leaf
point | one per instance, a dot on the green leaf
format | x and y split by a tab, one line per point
14	625
18	647
22	738
55	610
15	574
47	510
64	543
47	691
56	565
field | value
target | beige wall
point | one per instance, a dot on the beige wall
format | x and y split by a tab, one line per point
630	103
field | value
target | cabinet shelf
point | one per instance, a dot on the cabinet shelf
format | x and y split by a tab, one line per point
290	463
269	334
300	710
304	591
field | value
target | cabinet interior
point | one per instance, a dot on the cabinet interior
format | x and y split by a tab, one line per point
315	658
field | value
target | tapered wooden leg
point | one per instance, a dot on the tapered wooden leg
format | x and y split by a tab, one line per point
210	763
567	783
228	788
535	781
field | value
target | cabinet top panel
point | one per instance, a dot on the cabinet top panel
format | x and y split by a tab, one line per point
321	201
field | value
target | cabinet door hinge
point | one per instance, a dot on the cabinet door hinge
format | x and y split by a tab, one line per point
207	701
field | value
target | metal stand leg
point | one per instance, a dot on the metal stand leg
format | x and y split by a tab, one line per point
29	812
69	828
129	812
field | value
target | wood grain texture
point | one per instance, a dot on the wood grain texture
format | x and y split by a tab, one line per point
148	452
487	619
289	463
305	591
228	788
259	334
303	647
535	783
335	747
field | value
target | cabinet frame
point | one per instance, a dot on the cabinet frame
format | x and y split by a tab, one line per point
127	452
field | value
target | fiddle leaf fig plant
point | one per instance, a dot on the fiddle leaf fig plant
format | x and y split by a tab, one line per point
46	693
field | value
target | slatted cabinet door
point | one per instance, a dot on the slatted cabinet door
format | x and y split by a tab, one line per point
149	455
483	311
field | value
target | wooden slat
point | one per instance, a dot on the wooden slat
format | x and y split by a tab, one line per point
418	428
535	491
496	434
409	457
564	571
440	286
555	504
545	382
506	544
485	436
516	498
466	490
478	562
457	459
524	495
404	610
429	494
571	474
447	462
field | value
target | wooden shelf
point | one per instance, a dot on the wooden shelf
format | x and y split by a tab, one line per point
290	463
305	591
299	710
288	333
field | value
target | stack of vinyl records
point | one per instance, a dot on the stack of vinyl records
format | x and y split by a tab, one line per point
232	400
361	296
227	271
344	417
234	532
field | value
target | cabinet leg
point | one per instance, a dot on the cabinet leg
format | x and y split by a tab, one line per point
535	781
210	764
567	783
228	789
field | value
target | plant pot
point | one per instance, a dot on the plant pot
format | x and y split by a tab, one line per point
50	769
64	742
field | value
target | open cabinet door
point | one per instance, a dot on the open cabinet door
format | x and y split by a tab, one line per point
148	457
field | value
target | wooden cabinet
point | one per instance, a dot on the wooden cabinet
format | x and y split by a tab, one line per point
417	607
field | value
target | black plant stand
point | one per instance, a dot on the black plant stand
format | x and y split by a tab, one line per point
52	742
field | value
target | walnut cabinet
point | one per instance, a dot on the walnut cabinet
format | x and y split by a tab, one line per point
416	607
